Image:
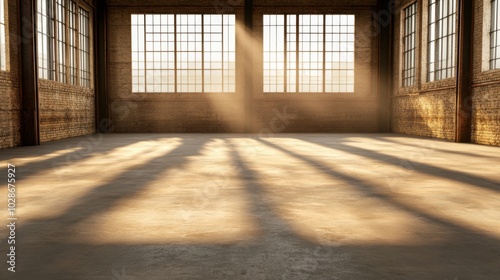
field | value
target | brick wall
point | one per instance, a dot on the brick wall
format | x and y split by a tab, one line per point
425	109
486	89
168	112
428	109
10	104
430	114
65	110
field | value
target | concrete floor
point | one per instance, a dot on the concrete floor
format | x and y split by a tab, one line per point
308	206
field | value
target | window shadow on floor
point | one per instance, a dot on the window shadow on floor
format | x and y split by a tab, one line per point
459	177
278	252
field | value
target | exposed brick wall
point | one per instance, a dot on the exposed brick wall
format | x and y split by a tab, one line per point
10	104
486	89
167	112
311	116
65	110
486	115
431	115
428	109
425	109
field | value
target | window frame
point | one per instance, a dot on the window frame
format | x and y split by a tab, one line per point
72	43
60	21
298	50
84	47
492	27
46	55
3	35
407	33
62	51
435	74
178	61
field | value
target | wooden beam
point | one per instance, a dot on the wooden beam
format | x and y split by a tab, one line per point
30	133
464	72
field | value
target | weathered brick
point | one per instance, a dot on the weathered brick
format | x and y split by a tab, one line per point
428	109
167	112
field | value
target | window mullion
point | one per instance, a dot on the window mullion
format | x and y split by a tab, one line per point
285	42
56	38
145	54
175	53
223	28
66	43
324	53
297	53
50	31
202	53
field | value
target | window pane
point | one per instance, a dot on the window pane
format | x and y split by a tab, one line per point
442	18
183	53
3	65
46	39
409	47
61	39
84	48
72	43
494	35
309	53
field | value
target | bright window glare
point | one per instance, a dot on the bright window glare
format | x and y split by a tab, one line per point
2	36
309	53
183	53
442	29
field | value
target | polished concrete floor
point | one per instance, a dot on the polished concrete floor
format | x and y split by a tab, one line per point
294	206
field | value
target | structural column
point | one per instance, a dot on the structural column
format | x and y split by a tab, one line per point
464	72
102	114
383	19
30	132
249	71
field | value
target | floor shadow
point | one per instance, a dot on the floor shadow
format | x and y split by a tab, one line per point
432	148
86	147
279	253
372	190
272	224
103	197
459	177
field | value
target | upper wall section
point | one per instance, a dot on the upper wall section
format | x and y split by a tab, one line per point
241	3
235	112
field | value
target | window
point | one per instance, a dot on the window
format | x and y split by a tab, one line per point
3	59
442	25
84	48
409	46
61	39
183	53
46	52
495	35
309	53
72	35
